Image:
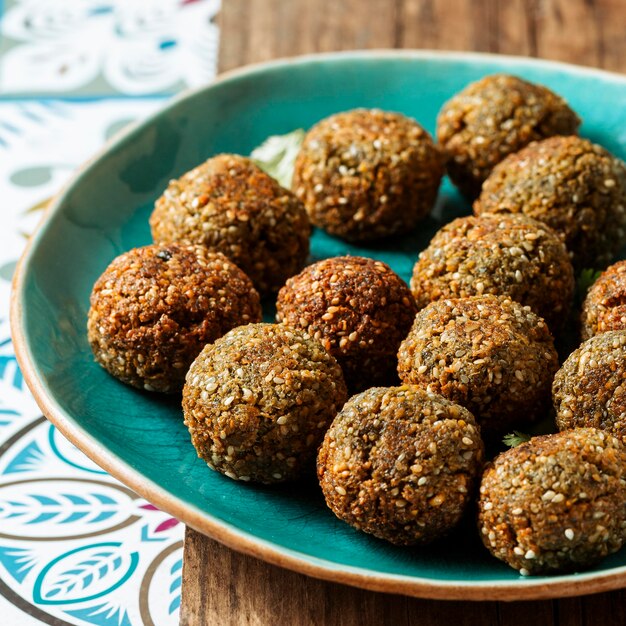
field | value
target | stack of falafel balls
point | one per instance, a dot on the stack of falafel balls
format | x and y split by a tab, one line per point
471	339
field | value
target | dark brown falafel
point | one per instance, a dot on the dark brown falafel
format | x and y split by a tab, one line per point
258	401
231	206
494	117
366	174
590	387
556	503
488	353
575	187
358	308
604	307
400	463
508	255
154	308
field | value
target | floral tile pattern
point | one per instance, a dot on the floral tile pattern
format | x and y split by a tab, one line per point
101	47
76	546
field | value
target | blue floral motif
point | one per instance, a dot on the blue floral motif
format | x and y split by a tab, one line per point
13	374
9	370
102	615
17	561
147	536
176	572
61	509
55	510
54	501
6	416
80	461
28	458
15	400
85	573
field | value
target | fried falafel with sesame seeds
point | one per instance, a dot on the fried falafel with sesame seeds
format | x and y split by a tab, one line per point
556	503
604	307
574	186
258	401
358	308
154	308
493	117
487	353
366	174
590	387
230	205
400	463
509	255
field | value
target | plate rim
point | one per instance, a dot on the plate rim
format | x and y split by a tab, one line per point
224	532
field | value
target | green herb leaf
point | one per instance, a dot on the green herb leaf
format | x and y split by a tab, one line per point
515	438
585	279
277	154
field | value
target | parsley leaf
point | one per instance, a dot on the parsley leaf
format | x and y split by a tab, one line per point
277	154
515	438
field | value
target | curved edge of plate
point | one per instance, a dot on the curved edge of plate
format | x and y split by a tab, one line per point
241	541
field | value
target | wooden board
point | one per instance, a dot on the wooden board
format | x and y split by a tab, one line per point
222	587
586	32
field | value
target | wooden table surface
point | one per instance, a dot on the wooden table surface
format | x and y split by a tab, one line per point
222	587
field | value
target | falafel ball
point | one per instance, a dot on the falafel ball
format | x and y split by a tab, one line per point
400	463
590	387
366	174
488	353
231	206
556	503
509	255
604	307
493	117
258	401
358	308
572	185
154	308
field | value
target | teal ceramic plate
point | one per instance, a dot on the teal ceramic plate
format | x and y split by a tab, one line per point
140	438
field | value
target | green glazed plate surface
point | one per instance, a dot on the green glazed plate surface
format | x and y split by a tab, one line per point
141	438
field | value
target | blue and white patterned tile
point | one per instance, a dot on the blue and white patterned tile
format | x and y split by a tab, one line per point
36	159
76	546
99	47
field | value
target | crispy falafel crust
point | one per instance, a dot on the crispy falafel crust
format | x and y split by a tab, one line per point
231	206
366	174
590	387
556	503
574	186
258	401
493	117
400	463
358	308
508	255
488	353
154	308
604	307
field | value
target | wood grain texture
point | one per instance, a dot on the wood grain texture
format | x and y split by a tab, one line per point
222	587
586	32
